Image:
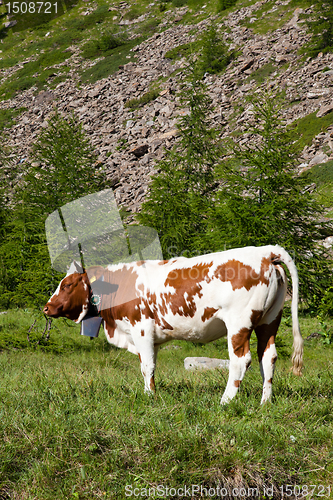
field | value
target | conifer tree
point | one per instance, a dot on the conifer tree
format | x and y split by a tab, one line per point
265	201
63	169
4	199
214	56
180	194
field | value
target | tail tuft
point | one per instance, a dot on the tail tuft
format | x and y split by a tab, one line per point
297	357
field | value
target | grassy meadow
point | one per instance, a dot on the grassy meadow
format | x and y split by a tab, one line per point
75	422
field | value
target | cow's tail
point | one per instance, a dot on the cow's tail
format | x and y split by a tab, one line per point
297	357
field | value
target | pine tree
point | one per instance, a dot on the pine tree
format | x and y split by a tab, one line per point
265	201
8	174
63	169
181	193
214	56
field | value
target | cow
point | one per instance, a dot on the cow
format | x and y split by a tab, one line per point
199	299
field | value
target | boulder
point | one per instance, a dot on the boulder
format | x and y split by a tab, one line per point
324	110
205	363
140	150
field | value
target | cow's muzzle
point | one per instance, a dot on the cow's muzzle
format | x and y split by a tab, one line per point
50	310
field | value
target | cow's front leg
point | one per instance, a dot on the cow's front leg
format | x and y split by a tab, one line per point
240	360
144	343
148	364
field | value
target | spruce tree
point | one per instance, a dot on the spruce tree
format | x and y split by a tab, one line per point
63	168
214	56
4	202
181	192
265	201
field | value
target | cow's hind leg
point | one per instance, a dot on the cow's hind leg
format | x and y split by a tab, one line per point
267	354
240	360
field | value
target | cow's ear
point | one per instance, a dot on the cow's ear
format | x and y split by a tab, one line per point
75	267
95	272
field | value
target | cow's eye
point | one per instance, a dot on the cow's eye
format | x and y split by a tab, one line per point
66	286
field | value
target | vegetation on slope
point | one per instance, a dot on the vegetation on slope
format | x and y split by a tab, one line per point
74	419
64	169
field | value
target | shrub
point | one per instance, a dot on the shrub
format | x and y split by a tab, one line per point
326	303
85	22
225	4
214	56
95	48
144	99
7	117
322	29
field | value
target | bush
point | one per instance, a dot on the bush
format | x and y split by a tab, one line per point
225	4
144	99
322	29
95	48
7	117
214	56
326	303
179	3
92	19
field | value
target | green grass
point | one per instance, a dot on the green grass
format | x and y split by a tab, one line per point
110	64
308	127
322	175
97	27
267	21
8	62
78	424
82	23
102	46
33	73
184	50
7	117
225	4
149	96
261	74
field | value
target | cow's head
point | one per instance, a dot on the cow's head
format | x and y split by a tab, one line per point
72	297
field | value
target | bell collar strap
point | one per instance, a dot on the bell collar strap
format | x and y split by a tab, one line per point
96	298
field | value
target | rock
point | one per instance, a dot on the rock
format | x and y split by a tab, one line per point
10	24
44	97
168	135
246	65
303	167
328	242
205	363
324	110
140	150
319	158
119	135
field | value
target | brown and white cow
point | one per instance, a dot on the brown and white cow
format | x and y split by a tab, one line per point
199	299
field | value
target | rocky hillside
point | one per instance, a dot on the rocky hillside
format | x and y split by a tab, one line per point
132	142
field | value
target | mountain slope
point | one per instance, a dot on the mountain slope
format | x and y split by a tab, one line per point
266	38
